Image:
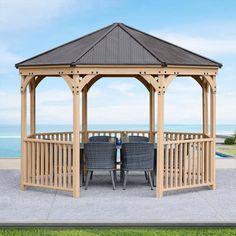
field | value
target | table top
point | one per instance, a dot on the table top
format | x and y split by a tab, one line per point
118	147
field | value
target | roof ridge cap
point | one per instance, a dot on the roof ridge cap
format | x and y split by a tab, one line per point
145	47
64	44
172	44
113	26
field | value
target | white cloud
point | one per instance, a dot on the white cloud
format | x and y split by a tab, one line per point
24	14
17	15
122	87
7	58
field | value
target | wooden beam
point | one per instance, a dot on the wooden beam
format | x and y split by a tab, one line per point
168	80
151	80
116	70
25	81
205	107
213	134
68	80
160	138
86	80
23	135
32	107
85	114
151	113
76	139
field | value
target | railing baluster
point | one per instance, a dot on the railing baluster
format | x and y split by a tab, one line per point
42	163
64	166
189	163
166	166
51	164
176	156
55	164
203	159
171	165
46	163
38	164
185	166
33	162
69	165
180	164
198	162
60	166
193	175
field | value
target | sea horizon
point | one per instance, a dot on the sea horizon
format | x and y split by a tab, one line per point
10	133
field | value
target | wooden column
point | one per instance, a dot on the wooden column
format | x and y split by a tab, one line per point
160	138
205	106
32	108
151	113
84	114
213	133
76	137
23	134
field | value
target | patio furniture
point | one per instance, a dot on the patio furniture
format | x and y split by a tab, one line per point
100	156
137	139
137	157
103	138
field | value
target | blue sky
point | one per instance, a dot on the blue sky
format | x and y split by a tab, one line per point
29	27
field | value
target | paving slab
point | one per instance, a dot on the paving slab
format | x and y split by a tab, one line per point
136	204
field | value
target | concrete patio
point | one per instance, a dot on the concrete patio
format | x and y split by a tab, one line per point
101	204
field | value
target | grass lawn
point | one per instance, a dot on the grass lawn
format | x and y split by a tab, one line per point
121	232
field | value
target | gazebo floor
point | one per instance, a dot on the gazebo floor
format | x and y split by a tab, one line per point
101	204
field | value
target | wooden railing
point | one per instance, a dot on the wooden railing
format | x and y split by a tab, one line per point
188	159
63	136
187	163
68	136
181	136
48	163
117	133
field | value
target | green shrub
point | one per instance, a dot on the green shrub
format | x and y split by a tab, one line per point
229	141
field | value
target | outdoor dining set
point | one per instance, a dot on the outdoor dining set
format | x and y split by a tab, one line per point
100	154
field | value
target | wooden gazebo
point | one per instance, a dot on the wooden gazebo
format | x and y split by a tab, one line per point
184	160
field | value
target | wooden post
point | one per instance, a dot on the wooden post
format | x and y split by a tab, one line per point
32	108
23	134
151	114
76	139
84	114
160	138
205	107
213	133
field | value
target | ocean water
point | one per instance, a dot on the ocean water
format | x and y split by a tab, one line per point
10	134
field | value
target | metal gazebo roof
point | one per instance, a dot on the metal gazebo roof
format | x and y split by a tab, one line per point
118	44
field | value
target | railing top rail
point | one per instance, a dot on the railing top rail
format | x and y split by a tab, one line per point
191	133
58	132
188	141
47	141
118	131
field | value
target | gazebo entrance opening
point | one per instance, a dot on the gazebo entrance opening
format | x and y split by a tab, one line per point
183	160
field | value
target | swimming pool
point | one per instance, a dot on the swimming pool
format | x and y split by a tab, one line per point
222	155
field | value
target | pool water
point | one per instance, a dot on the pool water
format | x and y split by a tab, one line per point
221	155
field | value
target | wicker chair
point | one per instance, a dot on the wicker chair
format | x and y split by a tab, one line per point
137	156
138	139
103	138
100	156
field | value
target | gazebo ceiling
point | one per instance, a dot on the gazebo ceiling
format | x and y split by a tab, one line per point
118	44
